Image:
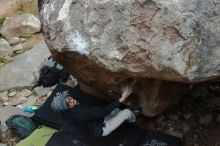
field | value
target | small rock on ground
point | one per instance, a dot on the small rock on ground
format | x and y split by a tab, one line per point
19	100
13	93
4	96
41	91
25	93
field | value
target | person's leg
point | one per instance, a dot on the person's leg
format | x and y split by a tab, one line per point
113	122
112	114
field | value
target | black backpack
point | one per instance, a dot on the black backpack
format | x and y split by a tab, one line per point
21	125
50	76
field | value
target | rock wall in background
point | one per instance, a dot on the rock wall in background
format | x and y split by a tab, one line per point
19	22
22	47
156	44
12	7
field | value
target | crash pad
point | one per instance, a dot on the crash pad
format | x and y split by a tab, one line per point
39	137
126	135
60	139
71	135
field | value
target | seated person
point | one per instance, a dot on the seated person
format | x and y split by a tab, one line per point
98	120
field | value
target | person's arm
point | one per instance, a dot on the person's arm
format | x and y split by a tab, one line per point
86	113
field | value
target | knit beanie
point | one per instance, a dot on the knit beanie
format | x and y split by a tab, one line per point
59	102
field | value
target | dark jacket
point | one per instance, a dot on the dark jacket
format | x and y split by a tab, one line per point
89	114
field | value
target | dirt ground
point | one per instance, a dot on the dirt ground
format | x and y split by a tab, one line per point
196	120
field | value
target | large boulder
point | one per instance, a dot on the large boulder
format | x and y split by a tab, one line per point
20	26
108	43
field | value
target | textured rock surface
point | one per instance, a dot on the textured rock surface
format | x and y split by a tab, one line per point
175	40
18	73
28	43
105	43
8	7
14	40
11	7
5	50
20	26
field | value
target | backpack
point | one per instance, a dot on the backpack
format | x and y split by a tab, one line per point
21	125
51	73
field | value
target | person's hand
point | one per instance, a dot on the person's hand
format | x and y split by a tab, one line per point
71	81
126	91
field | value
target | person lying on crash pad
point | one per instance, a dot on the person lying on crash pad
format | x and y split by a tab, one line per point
98	120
